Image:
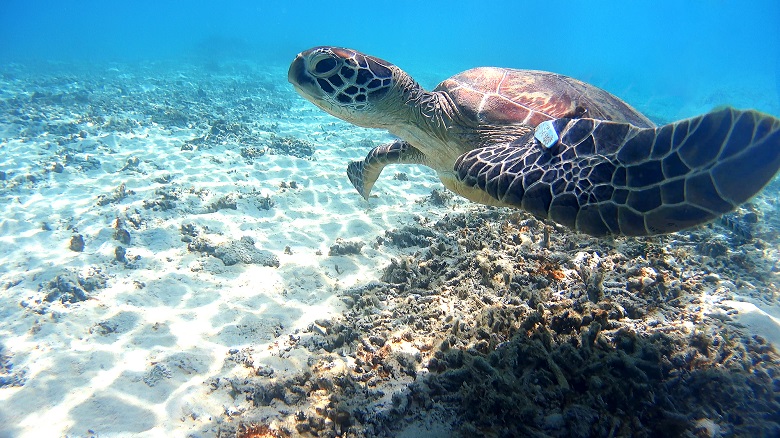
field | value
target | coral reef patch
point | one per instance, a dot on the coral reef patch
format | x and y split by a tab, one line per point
500	325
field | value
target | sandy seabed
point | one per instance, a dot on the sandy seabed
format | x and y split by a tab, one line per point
183	255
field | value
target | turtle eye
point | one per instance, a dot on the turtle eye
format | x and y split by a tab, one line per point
324	65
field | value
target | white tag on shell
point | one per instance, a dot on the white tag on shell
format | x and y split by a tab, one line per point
545	133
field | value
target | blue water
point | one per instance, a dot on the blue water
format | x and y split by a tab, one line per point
668	58
638	49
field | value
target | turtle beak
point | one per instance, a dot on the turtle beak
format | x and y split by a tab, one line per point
297	72
298	76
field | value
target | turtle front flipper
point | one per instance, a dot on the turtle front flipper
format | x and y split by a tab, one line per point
364	173
605	178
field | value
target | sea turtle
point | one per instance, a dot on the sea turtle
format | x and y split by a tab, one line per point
610	171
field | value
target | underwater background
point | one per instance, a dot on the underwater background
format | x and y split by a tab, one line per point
640	49
182	254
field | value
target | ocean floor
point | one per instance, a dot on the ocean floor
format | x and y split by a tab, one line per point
183	255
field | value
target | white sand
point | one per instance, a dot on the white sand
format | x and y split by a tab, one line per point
758	317
180	309
135	357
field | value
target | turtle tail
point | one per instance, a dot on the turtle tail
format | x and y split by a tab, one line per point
364	173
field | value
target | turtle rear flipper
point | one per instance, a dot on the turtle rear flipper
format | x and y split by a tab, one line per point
364	173
614	178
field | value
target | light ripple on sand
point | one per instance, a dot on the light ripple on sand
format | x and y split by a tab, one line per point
134	357
85	364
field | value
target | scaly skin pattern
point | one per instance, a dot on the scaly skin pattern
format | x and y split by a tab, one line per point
612	178
612	172
365	172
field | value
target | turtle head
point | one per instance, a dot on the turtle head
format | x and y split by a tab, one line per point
347	84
